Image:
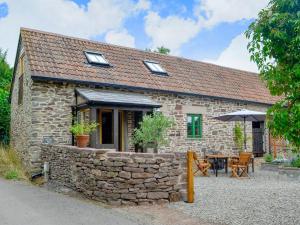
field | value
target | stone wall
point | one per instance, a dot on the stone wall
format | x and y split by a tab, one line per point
118	178
21	124
48	119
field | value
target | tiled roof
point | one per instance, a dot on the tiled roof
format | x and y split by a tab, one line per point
61	57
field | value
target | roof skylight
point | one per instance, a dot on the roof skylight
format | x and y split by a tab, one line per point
96	58
155	67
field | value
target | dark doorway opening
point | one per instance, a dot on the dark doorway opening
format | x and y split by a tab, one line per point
107	127
258	138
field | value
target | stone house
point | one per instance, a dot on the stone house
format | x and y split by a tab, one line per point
57	78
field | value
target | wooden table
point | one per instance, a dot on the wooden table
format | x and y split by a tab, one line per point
216	158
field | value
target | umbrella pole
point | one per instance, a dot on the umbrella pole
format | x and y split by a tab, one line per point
245	135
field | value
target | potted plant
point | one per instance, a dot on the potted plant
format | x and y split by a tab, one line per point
152	132
82	133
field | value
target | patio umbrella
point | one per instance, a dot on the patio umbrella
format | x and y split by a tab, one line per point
243	115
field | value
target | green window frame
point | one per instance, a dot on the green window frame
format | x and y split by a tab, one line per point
194	125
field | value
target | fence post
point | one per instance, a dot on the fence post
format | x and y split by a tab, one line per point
190	177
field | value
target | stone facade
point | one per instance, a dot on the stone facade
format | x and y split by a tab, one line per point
48	117
118	178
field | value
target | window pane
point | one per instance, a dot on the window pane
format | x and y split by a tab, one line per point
96	58
189	131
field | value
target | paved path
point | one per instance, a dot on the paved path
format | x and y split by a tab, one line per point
24	204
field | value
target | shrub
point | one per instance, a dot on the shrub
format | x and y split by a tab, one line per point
268	157
153	131
10	164
11	175
83	128
296	162
238	136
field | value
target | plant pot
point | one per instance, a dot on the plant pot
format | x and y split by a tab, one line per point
82	140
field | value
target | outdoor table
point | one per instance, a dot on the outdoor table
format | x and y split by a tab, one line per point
216	158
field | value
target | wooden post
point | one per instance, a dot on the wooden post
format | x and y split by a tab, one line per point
116	129
93	135
190	177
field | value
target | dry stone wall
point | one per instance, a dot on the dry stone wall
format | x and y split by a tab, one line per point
118	178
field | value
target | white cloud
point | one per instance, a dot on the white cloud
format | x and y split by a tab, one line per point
63	16
120	38
171	32
143	5
213	12
236	55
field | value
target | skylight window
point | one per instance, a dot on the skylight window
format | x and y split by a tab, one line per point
155	67
96	58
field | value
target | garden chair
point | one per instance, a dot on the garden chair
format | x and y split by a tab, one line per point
202	165
241	165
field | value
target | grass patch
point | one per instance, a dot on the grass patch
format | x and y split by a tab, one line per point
10	165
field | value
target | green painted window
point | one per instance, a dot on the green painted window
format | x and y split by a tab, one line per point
194	125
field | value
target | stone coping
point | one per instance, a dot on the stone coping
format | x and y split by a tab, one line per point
114	153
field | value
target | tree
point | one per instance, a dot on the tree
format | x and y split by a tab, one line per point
153	131
161	50
5	82
275	48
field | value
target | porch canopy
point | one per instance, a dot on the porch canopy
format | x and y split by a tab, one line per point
111	110
116	98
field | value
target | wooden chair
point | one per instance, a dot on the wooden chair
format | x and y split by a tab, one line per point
241	165
202	165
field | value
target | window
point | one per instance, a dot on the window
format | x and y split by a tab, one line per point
20	91
194	125
96	58
155	67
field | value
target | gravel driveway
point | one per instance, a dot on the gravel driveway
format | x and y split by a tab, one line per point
261	200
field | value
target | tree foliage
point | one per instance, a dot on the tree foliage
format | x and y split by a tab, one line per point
161	50
153	131
275	48
5	82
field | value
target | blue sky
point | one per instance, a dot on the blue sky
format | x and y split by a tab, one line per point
207	30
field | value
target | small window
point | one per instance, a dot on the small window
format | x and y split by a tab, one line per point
20	91
194	125
96	58
155	67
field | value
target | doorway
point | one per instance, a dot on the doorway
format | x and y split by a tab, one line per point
258	138
106	131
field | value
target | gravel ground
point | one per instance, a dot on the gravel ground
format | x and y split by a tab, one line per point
263	199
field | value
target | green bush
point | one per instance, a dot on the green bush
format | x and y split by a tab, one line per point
83	128
268	157
296	162
153	131
11	175
238	136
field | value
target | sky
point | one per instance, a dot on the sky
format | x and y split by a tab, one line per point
204	30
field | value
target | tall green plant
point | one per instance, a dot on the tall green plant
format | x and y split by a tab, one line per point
275	48
153	131
238	136
5	82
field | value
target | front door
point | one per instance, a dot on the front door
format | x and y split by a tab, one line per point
106	131
258	138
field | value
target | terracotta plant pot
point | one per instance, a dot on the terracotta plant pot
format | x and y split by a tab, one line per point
82	140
